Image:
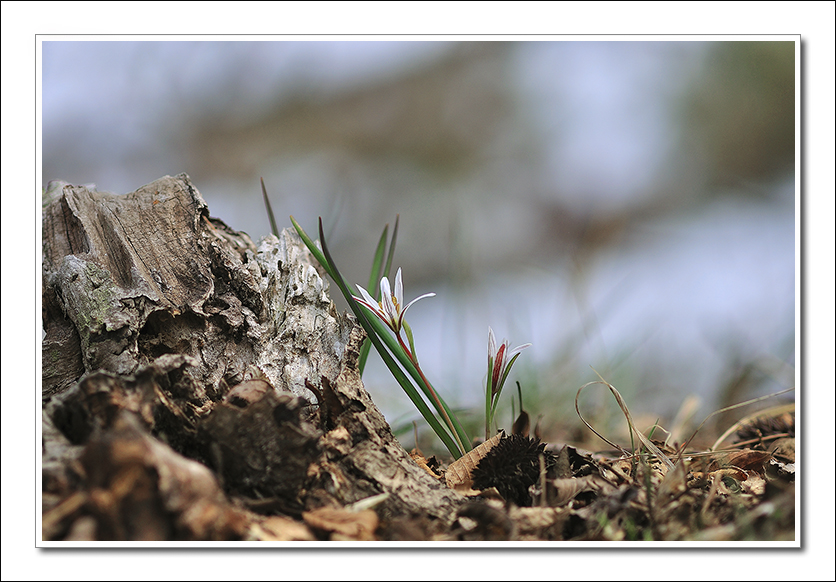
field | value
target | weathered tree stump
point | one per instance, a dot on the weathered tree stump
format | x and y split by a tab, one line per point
178	358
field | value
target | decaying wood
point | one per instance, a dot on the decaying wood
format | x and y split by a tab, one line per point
176	358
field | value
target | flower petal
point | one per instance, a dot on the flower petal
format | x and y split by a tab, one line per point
368	300
416	299
408	305
399	288
385	290
389	312
390	308
491	343
516	351
499	365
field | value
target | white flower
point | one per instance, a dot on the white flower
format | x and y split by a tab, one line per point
389	307
502	359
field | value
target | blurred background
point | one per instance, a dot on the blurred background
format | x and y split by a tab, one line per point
623	206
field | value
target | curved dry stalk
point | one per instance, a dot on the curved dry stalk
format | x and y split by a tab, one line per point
621	404
589	426
726	409
775	410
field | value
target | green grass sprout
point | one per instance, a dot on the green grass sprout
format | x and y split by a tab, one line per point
272	218
389	348
384	333
500	361
378	271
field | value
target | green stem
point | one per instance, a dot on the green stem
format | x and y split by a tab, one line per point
488	399
368	325
378	331
502	384
383	331
433	394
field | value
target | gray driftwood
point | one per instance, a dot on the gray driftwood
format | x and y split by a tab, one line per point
197	386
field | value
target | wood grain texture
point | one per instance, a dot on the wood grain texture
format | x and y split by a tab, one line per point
176	357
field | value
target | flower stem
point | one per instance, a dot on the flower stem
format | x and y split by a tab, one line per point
488	399
434	396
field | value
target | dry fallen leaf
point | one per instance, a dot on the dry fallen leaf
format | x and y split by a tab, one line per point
421	461
747	459
562	491
344	524
522	425
784	449
281	529
458	474
754	484
735	473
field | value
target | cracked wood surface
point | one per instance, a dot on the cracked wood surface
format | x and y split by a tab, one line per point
176	354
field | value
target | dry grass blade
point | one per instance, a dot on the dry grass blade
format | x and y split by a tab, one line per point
621	404
774	411
734	428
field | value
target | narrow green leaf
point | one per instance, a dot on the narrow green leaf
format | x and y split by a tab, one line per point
377	265
396	372
508	369
364	355
373	288
384	333
313	248
519	392
408	331
369	325
272	218
388	268
463	436
502	383
378	331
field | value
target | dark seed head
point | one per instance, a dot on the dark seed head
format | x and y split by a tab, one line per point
512	466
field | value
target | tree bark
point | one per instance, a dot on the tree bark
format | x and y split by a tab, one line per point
197	386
